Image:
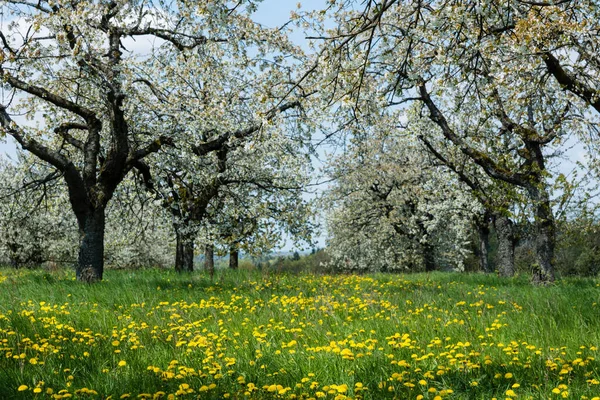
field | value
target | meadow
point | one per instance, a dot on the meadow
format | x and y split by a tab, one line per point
154	334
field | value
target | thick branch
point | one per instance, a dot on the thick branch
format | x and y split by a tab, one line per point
480	158
37	5
463	177
150	148
144	170
571	82
78	194
86	114
59	161
180	40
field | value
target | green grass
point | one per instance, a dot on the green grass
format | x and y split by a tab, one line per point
248	335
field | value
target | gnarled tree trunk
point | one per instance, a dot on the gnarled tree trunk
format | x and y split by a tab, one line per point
184	253
545	231
90	266
505	232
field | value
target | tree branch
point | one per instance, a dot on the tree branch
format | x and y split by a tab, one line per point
63	131
153	147
53	157
176	38
480	158
88	115
218	142
571	82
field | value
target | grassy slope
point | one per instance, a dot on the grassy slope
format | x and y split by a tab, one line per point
393	336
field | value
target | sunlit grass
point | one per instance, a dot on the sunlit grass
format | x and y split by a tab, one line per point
156	334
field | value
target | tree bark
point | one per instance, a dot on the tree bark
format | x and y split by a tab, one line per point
506	245
209	259
184	253
233	258
428	256
483	231
90	266
545	235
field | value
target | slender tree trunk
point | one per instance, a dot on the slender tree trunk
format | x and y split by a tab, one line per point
209	259
545	235
90	266
483	230
184	253
233	258
506	245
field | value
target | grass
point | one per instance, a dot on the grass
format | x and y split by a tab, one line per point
155	334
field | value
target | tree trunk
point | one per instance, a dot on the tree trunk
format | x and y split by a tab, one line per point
209	260
90	266
545	235
483	230
184	253
506	245
428	256
233	258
